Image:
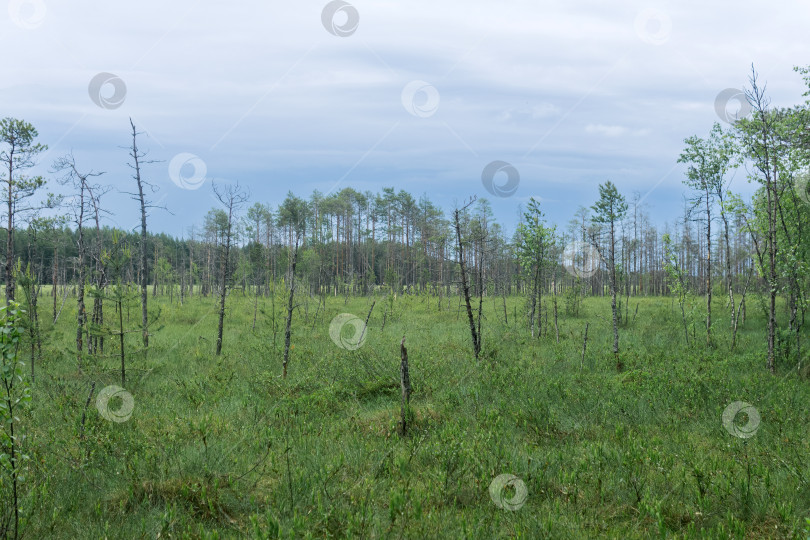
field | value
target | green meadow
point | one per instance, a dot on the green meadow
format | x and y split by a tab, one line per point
223	447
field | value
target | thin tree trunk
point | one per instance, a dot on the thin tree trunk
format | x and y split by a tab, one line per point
729	279
288	328
740	310
55	280
142	247
554	302
9	268
81	316
224	282
613	296
584	346
121	342
708	269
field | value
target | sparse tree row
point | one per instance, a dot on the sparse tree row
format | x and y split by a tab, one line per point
261	250
353	243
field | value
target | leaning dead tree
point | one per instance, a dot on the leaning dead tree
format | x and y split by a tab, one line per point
476	337
363	333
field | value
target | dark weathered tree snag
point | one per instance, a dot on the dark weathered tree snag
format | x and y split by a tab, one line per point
232	197
405	385
464	285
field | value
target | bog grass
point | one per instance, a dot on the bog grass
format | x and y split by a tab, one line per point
222	447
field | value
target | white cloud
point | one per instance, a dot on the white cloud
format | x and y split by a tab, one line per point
529	113
615	131
608	131
292	100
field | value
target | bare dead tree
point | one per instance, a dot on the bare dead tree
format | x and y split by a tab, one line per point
142	197
233	198
288	327
292	214
464	284
80	182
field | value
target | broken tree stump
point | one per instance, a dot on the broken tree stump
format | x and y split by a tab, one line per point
405	384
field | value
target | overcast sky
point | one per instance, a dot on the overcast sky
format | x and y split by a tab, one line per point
416	95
